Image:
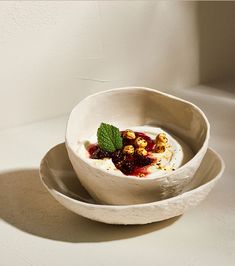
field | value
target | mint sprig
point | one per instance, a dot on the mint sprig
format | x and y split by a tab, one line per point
109	137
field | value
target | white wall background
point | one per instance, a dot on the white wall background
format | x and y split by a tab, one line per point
52	54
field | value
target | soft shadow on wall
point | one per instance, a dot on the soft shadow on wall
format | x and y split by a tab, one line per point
53	55
60	53
216	28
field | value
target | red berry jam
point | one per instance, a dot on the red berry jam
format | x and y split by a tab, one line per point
92	148
128	164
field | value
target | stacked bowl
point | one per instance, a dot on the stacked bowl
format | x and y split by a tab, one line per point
127	199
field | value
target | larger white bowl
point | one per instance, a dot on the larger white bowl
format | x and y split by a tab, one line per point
59	178
127	107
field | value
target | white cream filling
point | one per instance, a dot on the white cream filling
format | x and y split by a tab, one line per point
176	154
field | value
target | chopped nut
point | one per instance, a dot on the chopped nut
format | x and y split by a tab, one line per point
141	151
129	149
161	138
128	134
140	142
160	148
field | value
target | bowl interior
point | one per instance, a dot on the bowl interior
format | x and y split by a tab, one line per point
137	106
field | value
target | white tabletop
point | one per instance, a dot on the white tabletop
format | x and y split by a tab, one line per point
36	230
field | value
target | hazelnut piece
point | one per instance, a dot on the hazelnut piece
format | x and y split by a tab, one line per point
141	142
141	151
160	148
161	138
129	149
128	134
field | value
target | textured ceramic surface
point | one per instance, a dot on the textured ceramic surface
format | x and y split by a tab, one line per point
59	178
128	107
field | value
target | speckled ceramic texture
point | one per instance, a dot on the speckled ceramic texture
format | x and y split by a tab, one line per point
127	107
61	181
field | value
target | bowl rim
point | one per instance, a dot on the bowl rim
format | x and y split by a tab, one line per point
164	175
140	205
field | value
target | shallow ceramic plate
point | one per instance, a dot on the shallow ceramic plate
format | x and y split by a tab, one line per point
61	181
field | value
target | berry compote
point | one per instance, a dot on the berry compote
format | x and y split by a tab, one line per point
135	164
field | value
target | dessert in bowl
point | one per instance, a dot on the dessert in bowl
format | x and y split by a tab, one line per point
151	115
144	151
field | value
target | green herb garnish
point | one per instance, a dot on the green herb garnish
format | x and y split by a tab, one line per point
109	137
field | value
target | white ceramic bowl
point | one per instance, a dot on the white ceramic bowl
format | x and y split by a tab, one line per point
61	181
124	108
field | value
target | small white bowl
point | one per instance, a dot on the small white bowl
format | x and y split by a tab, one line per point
124	108
61	181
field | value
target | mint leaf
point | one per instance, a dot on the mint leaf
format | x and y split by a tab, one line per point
117	137
109	137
